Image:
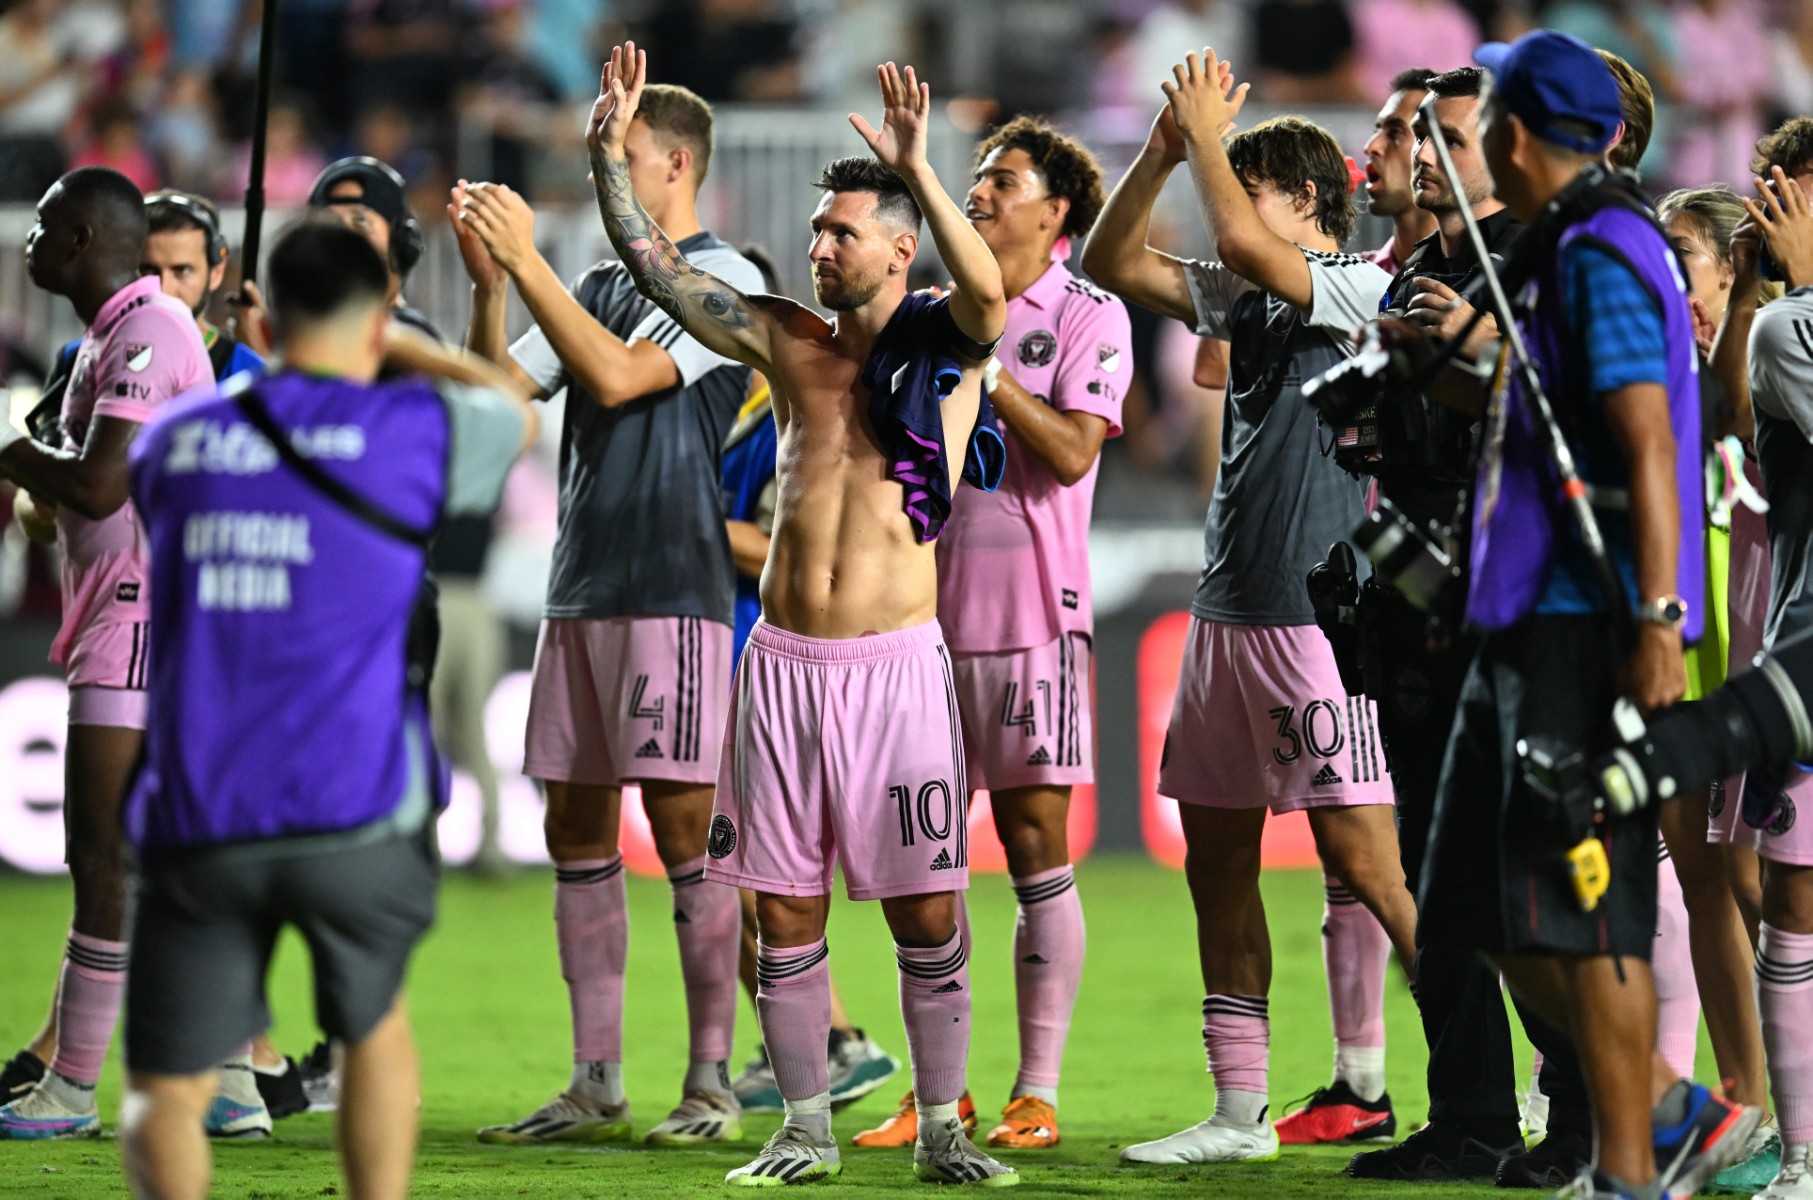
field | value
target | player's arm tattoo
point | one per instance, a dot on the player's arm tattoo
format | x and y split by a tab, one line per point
702	303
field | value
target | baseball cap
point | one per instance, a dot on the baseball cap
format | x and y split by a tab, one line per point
1546	77
380	188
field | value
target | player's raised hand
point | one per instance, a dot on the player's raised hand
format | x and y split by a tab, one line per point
905	115
1203	98
480	266
619	95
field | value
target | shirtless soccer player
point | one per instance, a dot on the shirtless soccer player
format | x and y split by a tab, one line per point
844	737
141	349
1261	718
632	670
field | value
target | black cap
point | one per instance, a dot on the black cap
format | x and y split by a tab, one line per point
381	189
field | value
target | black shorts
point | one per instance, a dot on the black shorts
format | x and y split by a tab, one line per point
1497	873
208	921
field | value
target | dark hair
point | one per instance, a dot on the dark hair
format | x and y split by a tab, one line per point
861	173
1288	152
1412	79
1637	107
679	115
764	262
170	210
1458	83
108	202
319	269
1069	169
1789	146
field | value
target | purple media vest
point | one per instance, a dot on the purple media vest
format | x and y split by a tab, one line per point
1518	510
279	706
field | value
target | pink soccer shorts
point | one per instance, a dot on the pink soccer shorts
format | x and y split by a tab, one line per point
1028	715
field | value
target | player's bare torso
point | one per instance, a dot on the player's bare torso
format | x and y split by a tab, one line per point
845	560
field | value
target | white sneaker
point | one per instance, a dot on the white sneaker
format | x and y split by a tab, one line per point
51	1111
565	1118
320	1069
238	1109
1209	1143
946	1155
701	1117
791	1156
1795	1180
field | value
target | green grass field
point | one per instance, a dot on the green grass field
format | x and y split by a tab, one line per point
491	1017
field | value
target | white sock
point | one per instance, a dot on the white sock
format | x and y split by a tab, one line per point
599	1082
77	1097
1048	1094
933	1117
1239	1108
708	1077
1363	1069
813	1114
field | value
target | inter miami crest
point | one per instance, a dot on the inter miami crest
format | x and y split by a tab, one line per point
723	837
1784	817
1038	348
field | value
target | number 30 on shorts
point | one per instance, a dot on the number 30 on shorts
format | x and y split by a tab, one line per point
930	812
1319	731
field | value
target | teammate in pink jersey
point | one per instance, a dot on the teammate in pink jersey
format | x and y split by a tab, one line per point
141	349
1022	653
844	741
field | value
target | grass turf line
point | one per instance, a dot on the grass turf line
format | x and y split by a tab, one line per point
491	1020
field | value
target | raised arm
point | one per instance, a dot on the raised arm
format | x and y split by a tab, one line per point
722	318
1203	102
979	306
1117	255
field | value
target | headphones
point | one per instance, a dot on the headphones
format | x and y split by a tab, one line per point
200	215
407	241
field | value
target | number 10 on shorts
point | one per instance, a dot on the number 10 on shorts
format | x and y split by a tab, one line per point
929	811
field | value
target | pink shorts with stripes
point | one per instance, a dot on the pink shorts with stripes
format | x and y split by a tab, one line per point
1028	715
1261	719
846	750
108	668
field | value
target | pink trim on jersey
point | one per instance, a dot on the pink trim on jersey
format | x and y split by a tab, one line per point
1013	565
142	350
1386	256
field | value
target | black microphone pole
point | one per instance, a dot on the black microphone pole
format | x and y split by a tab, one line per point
261	119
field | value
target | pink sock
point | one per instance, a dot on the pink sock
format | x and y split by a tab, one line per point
793	1005
1355	951
88	1005
1048	969
1784	988
1677	994
934	1003
592	921
1237	1032
709	923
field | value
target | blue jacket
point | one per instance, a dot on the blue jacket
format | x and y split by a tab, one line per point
915	364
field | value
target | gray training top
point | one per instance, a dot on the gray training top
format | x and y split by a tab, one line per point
1781	390
641	526
1280	500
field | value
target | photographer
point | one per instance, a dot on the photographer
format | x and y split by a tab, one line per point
1423	458
1607	324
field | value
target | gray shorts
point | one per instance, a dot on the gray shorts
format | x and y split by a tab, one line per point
208	921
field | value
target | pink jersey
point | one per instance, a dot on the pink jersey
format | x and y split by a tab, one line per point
1013	565
142	350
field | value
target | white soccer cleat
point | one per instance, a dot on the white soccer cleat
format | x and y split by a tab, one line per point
43	1114
1795	1180
237	1109
946	1155
792	1155
1209	1143
701	1117
565	1118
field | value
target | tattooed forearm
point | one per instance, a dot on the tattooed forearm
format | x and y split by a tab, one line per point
661	272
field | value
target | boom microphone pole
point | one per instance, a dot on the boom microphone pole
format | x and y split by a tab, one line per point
261	119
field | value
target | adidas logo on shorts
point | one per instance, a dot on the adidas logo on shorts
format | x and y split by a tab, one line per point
1326	777
649	749
952	986
942	862
1040	758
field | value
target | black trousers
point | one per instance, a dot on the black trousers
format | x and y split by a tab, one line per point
1471	1075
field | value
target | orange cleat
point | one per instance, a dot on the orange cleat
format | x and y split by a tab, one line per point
902	1129
1027	1123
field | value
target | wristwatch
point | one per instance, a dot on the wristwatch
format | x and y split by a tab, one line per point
1668	611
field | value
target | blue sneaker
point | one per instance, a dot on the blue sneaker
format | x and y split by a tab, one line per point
238	1110
1714	1134
858	1067
755	1088
44	1114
